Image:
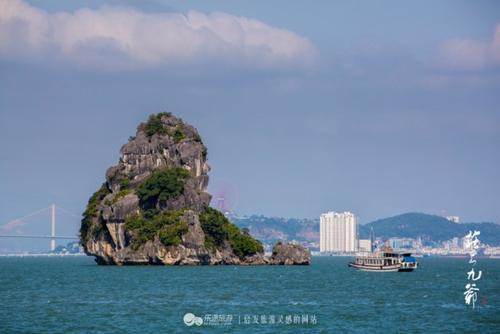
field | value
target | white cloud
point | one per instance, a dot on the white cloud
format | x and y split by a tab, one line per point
468	54
121	37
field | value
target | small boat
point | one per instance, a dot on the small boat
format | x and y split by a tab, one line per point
385	261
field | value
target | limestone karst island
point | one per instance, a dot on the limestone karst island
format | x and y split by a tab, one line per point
154	208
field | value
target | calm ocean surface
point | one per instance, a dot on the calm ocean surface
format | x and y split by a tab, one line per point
73	295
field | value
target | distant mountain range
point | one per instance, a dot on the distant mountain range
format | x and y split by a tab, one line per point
271	229
431	228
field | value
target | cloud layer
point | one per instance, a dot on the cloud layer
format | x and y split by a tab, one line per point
124	38
468	54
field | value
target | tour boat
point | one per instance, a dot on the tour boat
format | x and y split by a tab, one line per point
385	261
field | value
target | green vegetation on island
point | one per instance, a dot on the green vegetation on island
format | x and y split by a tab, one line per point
161	186
91	210
178	134
154	124
167	225
218	228
155	191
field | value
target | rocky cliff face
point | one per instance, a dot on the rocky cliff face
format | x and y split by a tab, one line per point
153	207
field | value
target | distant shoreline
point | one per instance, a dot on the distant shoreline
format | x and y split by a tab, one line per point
42	255
314	255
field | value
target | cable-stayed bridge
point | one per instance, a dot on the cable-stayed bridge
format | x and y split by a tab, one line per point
53	209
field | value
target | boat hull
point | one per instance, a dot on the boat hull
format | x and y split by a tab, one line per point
380	269
384	261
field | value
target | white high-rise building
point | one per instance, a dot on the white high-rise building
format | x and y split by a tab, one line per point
365	245
455	219
338	232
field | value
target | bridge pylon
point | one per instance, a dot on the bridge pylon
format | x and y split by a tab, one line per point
53	228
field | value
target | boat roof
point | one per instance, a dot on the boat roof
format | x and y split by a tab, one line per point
409	259
390	254
382	254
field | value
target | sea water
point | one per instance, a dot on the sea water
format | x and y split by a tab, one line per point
74	295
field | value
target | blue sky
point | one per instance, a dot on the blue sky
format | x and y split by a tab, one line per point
377	107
